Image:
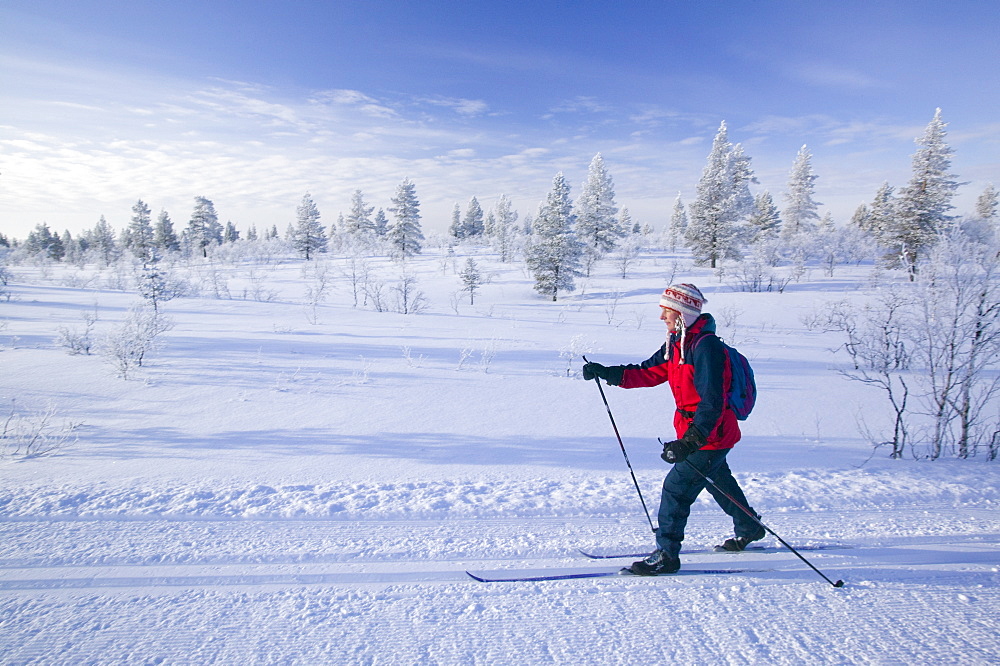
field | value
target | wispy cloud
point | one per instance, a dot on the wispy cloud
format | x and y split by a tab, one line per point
463	107
833	76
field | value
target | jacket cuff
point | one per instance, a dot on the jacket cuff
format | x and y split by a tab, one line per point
613	375
694	436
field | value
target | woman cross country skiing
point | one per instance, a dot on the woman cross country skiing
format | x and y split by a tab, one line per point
693	362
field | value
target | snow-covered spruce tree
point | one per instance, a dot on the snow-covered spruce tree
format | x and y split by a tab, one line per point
230	234
553	253
987	203
358	221
308	236
471	278
204	228
140	236
882	214
678	224
489	224
380	225
723	199
456	230
505	234
764	222
596	225
41	242
155	283
861	218
405	235
72	247
923	205
472	223
102	242
800	213
164	236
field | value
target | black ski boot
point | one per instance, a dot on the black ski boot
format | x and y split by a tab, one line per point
737	544
657	563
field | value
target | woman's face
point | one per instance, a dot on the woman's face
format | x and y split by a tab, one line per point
670	318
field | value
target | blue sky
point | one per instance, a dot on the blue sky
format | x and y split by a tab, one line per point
252	104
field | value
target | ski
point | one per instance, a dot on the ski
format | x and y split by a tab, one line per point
715	549
498	578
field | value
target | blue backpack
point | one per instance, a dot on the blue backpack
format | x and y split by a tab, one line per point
742	394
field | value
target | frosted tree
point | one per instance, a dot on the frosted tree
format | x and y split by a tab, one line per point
489	225
380	225
154	282
308	236
861	218
596	225
204	228
678	223
71	247
472	279
625	222
472	223
764	222
140	236
882	214
41	241
553	255
723	199
800	213
986	204
456	229
529	223
164	236
102	241
359	221
505	232
405	235
230	235
924	203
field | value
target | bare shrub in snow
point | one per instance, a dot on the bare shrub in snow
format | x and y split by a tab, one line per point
407	299
319	283
877	346
77	341
956	335
126	346
259	290
934	351
34	434
626	255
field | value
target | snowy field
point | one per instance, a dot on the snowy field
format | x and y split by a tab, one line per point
283	483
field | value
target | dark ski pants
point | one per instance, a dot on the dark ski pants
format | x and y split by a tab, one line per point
681	488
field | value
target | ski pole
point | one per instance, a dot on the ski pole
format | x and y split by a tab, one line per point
624	453
750	513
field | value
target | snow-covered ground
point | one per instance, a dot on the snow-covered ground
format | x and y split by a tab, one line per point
283	484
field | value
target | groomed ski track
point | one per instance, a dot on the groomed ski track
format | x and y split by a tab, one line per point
325	591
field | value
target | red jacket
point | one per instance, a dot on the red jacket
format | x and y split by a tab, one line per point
698	379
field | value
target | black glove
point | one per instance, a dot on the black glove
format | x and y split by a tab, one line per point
679	449
612	375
